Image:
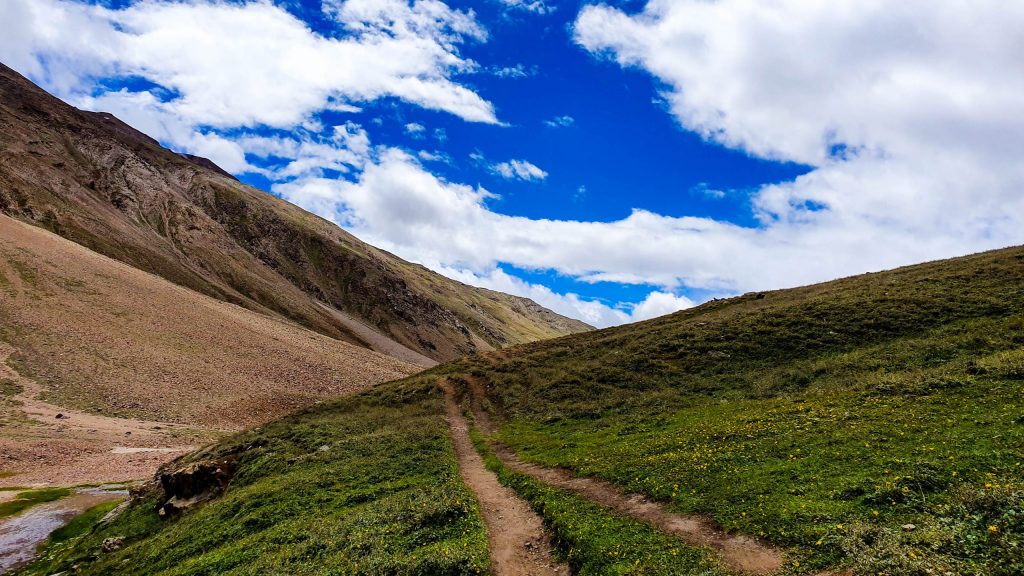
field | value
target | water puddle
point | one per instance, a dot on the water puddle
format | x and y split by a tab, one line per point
21	535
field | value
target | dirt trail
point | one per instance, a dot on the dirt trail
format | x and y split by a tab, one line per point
518	543
737	552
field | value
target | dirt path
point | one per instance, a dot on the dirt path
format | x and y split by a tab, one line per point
737	552
518	543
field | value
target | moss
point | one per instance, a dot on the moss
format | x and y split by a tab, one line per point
29	498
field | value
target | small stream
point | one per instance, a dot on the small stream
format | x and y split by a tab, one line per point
21	535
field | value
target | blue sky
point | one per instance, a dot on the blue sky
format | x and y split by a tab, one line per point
612	161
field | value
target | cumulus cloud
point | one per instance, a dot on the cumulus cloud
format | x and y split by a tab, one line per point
219	65
398	205
593	312
911	116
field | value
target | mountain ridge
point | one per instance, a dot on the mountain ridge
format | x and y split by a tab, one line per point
101	183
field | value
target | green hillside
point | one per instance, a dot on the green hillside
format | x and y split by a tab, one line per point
824	420
366	484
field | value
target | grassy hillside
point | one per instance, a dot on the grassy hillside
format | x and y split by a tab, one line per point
823	418
363	485
826	420
98	182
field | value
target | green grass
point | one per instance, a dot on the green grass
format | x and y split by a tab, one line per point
822	418
29	498
9	388
5	283
595	541
79	525
364	485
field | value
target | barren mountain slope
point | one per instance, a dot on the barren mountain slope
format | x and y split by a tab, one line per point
94	180
102	342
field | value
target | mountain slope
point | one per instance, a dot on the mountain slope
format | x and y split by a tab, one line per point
823	419
104	345
871	425
96	181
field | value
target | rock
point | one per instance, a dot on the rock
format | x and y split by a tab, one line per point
194	483
909	527
115	512
113	544
60	416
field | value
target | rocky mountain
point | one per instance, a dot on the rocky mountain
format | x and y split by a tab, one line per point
97	181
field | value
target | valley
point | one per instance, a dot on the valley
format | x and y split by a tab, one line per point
511	288
872	424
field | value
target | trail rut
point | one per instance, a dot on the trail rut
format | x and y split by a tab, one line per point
737	552
518	543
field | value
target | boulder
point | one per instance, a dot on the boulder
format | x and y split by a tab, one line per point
194	483
113	544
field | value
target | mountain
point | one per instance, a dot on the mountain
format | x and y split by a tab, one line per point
870	425
98	182
140	369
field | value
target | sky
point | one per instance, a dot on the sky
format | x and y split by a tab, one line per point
613	161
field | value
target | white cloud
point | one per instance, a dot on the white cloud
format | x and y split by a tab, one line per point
535	6
415	130
707	191
303	155
592	312
517	71
519	170
226	65
911	117
658	304
560	122
435	156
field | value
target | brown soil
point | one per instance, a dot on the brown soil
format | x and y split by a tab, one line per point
519	545
738	552
132	362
